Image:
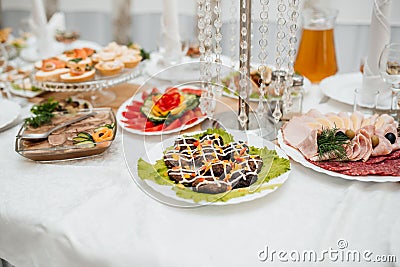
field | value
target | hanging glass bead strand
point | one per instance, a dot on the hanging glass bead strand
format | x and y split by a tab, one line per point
293	15
280	49
208	42
233	42
201	37
262	56
217	49
245	51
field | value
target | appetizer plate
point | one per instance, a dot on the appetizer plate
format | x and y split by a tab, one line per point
137	97
68	149
229	93
298	157
10	113
165	193
24	92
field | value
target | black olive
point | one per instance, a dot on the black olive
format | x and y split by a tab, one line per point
391	137
340	133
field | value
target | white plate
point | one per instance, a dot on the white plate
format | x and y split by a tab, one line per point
10	112
298	157
25	93
138	97
341	87
166	194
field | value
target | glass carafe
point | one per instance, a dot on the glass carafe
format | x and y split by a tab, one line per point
316	57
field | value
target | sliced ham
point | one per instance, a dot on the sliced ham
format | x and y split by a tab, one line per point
57	139
295	131
308	147
383	148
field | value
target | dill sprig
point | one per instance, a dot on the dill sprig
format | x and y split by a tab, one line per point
43	113
331	145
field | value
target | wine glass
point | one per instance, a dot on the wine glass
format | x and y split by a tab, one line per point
389	68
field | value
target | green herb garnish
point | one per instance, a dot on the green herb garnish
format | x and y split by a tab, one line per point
76	60
145	55
331	145
43	113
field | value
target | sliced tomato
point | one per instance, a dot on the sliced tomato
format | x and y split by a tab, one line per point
156	128
149	124
192	120
173	125
192	91
145	94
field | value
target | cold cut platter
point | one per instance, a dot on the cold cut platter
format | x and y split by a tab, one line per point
350	146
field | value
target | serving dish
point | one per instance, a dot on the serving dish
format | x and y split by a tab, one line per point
295	155
52	148
133	119
85	69
276	167
347	145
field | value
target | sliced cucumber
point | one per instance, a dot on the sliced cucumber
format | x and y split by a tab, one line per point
80	139
85	135
86	143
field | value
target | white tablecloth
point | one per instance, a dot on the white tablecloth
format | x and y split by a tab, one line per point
91	213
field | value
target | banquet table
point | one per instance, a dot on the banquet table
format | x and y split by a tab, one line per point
90	212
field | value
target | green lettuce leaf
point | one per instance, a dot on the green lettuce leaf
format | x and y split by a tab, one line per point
273	166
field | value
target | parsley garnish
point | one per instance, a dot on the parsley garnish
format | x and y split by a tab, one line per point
43	113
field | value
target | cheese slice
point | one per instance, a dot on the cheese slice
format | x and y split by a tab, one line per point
357	118
337	121
326	123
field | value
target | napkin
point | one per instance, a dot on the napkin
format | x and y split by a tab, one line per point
44	30
379	36
170	32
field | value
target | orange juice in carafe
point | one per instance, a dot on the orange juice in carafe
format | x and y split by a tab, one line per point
316	57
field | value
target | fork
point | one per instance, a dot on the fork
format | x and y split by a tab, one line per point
46	134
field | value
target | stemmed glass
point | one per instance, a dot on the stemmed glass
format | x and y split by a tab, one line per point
389	68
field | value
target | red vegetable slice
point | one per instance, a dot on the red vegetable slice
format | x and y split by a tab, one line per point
169	100
192	91
155	128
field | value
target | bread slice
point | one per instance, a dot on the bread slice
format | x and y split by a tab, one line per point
50	76
87	76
